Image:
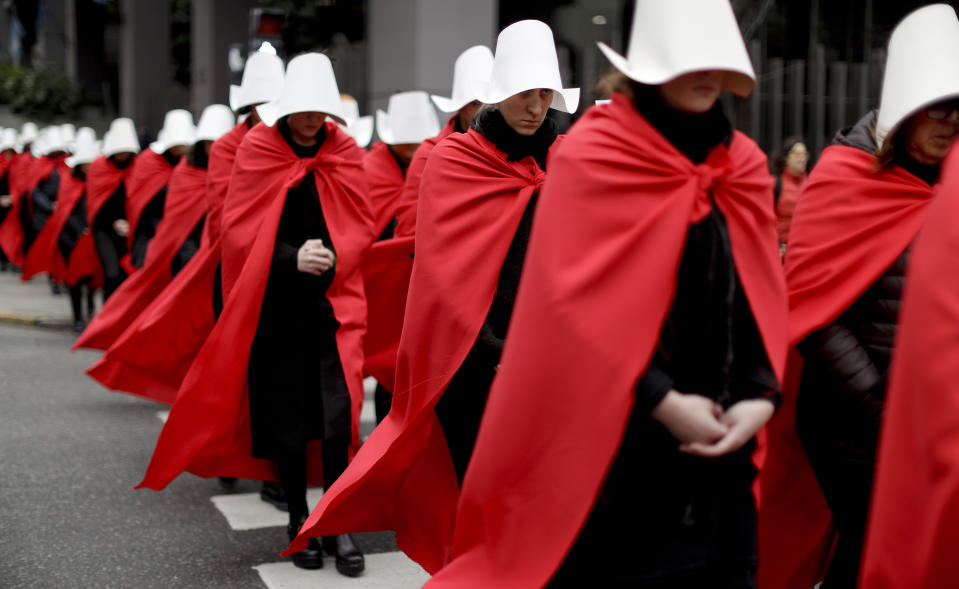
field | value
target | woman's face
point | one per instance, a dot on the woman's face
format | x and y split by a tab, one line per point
931	133
305	125
693	93
526	111
797	158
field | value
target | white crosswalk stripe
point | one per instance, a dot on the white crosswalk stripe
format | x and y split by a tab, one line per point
390	570
246	511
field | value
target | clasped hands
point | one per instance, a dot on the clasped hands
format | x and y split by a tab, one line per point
704	429
314	258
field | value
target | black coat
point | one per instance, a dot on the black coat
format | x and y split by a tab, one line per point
298	389
663	514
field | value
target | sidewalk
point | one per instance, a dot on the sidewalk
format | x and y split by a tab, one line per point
32	303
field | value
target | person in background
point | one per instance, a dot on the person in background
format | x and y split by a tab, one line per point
8	151
790	175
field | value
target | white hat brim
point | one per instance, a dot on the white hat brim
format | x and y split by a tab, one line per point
447	105
740	82
271	112
564	99
361	130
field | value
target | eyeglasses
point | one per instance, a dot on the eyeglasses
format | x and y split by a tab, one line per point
941	112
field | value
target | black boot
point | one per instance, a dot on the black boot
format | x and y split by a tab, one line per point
310	557
349	559
226	483
273	494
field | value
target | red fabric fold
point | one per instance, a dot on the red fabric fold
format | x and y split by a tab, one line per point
222	155
385	178
851	224
471	203
208	431
386	280
153	355
607	239
406	211
185	206
149	173
914	518
103	179
26	172
44	255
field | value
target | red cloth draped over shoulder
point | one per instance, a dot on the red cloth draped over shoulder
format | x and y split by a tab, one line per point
385	178
181	317
222	155
208	431
914	518
851	224
185	206
386	280
608	236
26	172
103	179
406	211
471	203
150	172
44	255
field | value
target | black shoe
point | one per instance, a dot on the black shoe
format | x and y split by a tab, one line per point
274	494
310	557
56	288
79	326
226	483
349	559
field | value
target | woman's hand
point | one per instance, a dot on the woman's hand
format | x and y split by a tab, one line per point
122	227
743	420
6	201
692	419
314	258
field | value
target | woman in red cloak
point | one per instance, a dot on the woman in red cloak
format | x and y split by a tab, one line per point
8	152
849	246
914	520
647	342
476	207
276	390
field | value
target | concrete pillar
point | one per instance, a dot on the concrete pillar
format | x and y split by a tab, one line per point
413	43
216	24
52	34
145	55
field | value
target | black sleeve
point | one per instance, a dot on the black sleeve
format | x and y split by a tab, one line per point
837	353
111	210
45	194
751	375
5	184
653	385
188	249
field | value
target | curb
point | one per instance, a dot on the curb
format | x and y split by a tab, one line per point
34	321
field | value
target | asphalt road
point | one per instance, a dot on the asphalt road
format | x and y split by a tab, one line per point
70	454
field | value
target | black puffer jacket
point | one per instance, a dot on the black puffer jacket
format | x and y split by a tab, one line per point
847	363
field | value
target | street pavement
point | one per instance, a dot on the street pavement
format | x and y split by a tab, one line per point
70	454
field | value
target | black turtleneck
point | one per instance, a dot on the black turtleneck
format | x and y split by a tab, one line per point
928	173
491	124
301	151
695	135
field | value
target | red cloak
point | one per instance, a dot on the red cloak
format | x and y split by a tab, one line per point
150	172
185	206
181	317
851	224
103	179
386	280
45	255
26	172
599	277
222	155
406	211
208	431
471	203
385	178
914	519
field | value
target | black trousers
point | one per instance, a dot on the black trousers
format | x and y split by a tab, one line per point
460	410
847	486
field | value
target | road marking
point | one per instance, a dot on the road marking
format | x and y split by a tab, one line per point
246	511
386	570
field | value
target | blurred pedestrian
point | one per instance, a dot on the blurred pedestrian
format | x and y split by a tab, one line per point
8	152
790	175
